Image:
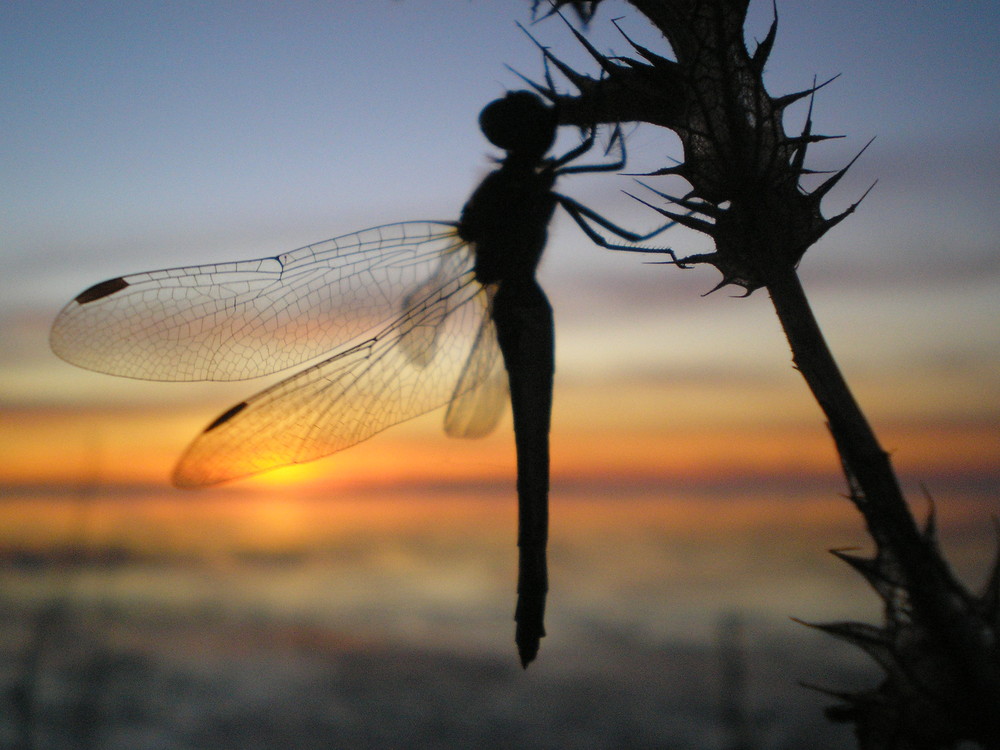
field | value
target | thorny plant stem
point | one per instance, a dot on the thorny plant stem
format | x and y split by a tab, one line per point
875	490
938	645
881	500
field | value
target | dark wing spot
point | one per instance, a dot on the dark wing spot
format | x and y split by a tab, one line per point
223	418
104	289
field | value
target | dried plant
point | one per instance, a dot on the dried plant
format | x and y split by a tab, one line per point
938	642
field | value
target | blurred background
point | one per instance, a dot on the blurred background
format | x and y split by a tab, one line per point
367	599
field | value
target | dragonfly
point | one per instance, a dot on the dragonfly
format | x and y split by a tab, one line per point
406	318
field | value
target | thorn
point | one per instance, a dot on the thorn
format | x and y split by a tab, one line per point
586	14
873	571
572	76
685	219
649	55
763	50
679	169
553	8
867	637
812	138
549	94
665	172
800	152
783	101
874	641
832	222
747	290
823	189
930	525
726	281
703	207
806	170
602	60
866	566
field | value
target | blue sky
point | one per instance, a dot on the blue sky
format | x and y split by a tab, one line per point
142	135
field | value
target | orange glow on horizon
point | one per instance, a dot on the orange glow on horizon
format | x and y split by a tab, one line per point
163	524
412	479
121	447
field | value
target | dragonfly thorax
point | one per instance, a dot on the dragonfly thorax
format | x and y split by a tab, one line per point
506	220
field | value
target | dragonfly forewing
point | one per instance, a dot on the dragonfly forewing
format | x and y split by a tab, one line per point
231	321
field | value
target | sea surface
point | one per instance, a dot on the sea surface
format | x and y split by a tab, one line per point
387	623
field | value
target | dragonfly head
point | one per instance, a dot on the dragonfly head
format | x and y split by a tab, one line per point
520	123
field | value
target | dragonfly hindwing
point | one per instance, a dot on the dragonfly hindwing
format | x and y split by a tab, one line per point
425	308
481	392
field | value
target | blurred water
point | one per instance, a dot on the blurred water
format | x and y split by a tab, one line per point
213	673
389	624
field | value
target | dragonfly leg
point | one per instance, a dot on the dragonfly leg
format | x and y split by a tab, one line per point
524	326
581	215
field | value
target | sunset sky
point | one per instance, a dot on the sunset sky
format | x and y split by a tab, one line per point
147	135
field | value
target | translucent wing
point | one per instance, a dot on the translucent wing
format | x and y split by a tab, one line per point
441	347
482	391
230	321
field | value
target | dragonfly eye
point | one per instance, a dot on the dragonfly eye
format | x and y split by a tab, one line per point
519	123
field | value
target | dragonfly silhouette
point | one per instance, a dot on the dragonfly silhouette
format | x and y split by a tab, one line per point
438	311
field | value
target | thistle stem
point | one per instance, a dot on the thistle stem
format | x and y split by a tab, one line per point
881	499
938	600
